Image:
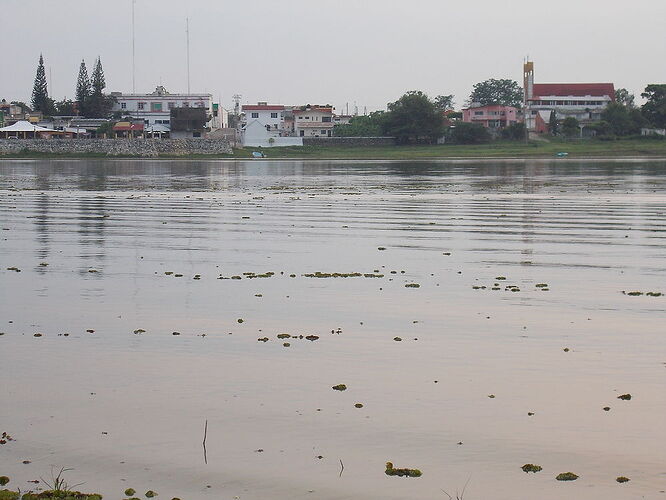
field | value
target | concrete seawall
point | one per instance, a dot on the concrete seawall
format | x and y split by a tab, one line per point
150	148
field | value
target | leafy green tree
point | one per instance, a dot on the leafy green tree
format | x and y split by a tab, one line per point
514	132
625	98
655	107
40	93
622	120
65	107
83	87
444	102
504	92
362	126
413	118
570	127
469	133
553	124
24	107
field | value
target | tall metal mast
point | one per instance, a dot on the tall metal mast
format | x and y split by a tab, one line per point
187	32
133	51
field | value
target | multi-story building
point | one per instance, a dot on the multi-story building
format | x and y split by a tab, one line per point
313	121
583	101
155	108
493	116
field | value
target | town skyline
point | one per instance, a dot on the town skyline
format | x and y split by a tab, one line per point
441	49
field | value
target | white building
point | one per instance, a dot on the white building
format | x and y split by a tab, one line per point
263	125
155	108
313	121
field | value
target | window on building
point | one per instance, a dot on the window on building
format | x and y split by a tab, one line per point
255	115
156	107
123	105
307	117
141	105
274	115
326	119
478	113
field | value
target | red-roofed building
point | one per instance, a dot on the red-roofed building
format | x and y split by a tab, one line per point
583	101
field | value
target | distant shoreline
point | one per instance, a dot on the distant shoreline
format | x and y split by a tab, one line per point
579	150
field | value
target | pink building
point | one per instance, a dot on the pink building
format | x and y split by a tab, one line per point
494	116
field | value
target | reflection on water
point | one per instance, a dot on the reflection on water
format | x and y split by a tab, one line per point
121	246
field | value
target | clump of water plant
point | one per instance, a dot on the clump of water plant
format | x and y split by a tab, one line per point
622	479
412	285
312	338
263	339
358	405
283	336
625	397
3	480
339	387
405	472
397	339
59	489
531	468
9	495
130	492
566	476
150	494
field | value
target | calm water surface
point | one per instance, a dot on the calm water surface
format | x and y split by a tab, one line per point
99	245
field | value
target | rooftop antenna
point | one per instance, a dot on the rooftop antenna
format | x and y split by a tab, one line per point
133	51
187	32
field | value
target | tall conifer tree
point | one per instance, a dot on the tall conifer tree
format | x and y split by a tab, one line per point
98	82
82	88
40	93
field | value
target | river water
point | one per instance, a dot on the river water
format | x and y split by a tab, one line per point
520	332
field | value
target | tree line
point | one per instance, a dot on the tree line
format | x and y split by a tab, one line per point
416	118
91	101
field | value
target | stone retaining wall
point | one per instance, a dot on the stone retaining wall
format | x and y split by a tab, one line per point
150	148
349	141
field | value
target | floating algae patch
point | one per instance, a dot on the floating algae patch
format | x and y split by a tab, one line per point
625	397
339	387
284	336
622	479
358	405
319	274
312	338
392	471
412	285
566	476
3	480
150	494
532	468
130	492
61	495
263	339
9	495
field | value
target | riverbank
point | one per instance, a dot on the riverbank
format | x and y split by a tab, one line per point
634	148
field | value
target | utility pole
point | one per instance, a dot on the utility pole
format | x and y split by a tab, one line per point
187	32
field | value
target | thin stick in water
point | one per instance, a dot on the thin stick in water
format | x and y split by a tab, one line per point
204	443
342	467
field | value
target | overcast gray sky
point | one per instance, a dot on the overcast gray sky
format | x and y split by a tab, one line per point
305	51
